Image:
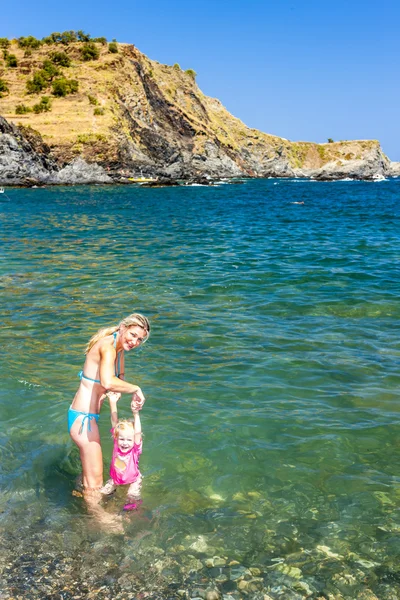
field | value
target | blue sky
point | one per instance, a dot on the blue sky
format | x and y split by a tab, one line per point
304	70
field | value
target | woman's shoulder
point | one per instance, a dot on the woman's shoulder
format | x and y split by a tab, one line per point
105	344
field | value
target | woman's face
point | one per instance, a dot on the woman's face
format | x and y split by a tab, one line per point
132	337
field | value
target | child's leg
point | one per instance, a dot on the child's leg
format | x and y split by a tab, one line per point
135	489
108	488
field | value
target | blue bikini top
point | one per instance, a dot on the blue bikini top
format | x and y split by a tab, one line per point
117	367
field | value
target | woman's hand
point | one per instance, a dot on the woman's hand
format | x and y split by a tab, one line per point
138	400
113	396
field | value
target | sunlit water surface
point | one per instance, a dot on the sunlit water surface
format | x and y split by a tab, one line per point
271	375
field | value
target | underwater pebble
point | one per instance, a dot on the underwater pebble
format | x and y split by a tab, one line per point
200	545
238	572
209	563
328	552
294	572
213	595
302	586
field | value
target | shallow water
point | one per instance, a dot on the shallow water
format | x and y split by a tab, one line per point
271	376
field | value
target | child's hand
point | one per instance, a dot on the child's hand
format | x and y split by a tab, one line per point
113	396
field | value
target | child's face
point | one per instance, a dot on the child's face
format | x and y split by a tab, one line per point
125	441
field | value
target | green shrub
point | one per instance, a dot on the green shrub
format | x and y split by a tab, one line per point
67	37
90	51
82	36
50	70
4	42
100	40
177	67
28	52
22	109
191	73
89	138
11	61
29	42
92	100
43	106
3	87
53	38
330	140
37	83
5	54
98	111
60	58
113	47
62	87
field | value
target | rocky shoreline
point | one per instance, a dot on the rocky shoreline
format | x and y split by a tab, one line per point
99	570
42	559
25	160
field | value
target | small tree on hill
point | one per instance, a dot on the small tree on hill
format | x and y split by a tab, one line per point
37	83
22	109
113	47
90	51
4	42
60	58
330	141
11	61
68	37
191	73
82	36
62	87
50	70
3	87
43	106
29	42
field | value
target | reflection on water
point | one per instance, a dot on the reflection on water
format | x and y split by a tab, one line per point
271	424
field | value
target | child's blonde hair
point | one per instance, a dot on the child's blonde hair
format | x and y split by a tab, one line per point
123	425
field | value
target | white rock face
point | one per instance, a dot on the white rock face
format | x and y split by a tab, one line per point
81	172
394	169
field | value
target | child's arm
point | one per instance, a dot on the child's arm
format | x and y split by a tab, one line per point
138	427
114	410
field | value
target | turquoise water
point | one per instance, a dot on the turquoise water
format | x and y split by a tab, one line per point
271	376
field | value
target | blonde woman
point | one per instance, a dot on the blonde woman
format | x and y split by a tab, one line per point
103	374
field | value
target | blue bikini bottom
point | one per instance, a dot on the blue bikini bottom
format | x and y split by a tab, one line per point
74	414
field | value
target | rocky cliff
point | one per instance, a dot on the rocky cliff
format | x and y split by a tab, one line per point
132	116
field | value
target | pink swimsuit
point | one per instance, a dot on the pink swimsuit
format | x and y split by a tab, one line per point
125	465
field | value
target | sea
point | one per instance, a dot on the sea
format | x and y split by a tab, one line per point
271	457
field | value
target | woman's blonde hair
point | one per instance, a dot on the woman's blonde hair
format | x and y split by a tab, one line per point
123	425
130	321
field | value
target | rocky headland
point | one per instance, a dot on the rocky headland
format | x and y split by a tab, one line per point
127	117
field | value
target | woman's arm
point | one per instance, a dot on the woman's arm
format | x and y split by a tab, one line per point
112	383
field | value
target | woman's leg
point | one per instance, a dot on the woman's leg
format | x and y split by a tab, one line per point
89	446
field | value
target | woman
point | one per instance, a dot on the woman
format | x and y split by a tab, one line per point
103	373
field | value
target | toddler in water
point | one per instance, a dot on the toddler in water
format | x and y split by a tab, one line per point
124	467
